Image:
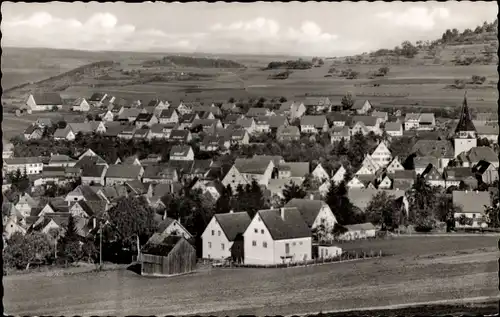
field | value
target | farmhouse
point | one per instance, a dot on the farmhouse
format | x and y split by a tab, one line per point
320	173
44	101
32	165
81	105
362	107
93	174
313	124
223	237
121	173
277	236
381	155
173	255
486	172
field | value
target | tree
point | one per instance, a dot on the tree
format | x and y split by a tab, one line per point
347	101
336	198
292	191
21	251
338	230
492	216
132	218
231	100
340	148
408	49
19	180
422	201
358	148
250	198
282	99
311	183
382	211
61	124
383	70
223	204
70	248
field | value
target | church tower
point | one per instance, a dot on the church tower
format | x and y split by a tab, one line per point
465	132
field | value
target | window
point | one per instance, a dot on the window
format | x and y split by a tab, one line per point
295	243
213	232
264	244
218	233
287	248
222	246
210	245
256	230
473	215
254	243
262	231
300	242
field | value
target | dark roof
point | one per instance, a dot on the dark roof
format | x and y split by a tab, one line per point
167	113
144	117
179	134
180	150
93	170
368	121
465	122
164	247
435	148
136	186
123	171
251	166
97	96
233	223
309	209
481	167
47	98
162	171
293	226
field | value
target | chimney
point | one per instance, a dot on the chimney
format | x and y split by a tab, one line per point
282	213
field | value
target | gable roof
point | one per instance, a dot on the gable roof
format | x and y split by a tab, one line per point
288	130
180	150
292	227
360	226
123	171
251	166
358	104
435	148
233	223
255	112
309	209
368	121
471	201
47	98
393	126
297	169
485	153
316	121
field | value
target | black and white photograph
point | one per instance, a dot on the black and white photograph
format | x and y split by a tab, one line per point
259	158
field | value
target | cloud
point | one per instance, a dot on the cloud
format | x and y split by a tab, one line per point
251	30
416	17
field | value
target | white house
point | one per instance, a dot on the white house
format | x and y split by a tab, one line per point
320	173
245	170
359	231
221	233
362	107
394	165
44	101
81	104
32	165
315	213
394	129
277	236
181	153
473	205
381	155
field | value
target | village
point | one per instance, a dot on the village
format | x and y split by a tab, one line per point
305	215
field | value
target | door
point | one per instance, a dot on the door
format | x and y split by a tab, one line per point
287	248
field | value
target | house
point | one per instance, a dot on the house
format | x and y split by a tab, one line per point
224	232
81	105
7	149
168	226
121	173
186	106
320	173
61	160
228	106
433	176
182	136
337	119
87	127
97	99
365	125
403	180
33	132
355	182
141	134
245	170
358	231
212	188
127	132
262	124
442	150
212	143
93	174
288	133
338	133
258	112
215	111
108	116
247	124
158	106
277	236
486	172
455	176
313	124
44	122
394	129
295	171
160	131
181	153
207	124
412	121
381	155
315	213
44	101
318	104
145	119
394	165
473	205
10	226
25	204
32	165
87	209
186	121
293	109
160	173
172	255
476	154
368	167
130	114
239	136
383	116
361	197
426	122
362	107
489	132
82	192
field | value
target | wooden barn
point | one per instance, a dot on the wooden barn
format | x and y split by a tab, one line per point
173	256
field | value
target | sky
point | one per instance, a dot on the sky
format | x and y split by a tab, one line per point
293	28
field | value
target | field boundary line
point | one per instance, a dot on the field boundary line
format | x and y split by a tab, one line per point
407	305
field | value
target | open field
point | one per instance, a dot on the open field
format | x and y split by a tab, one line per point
405	277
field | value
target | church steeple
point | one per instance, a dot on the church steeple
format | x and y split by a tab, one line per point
465	123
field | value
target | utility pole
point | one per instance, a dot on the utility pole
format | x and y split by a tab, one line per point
100	245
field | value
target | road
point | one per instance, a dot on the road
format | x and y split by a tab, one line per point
393	280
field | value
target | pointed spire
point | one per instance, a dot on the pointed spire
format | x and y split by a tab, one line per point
465	123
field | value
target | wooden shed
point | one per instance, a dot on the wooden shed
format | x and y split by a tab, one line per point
173	256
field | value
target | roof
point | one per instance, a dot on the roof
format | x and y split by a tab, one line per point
297	169
277	121
471	201
485	153
23	160
245	122
60	158
144	117
361	197
487	129
309	209
97	96
427	117
380	114
360	226
179	134
424	161
368	121
162	247
123	171
162	171
465	121
288	130
482	166
32	128
404	174
337	117
47	98
436	148
293	226
458	172
87	192
402	184
316	101
251	166
393	126
137	186
81	127
358	104
255	112
233	223
129	113
342	131
89	161
180	150
316	121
